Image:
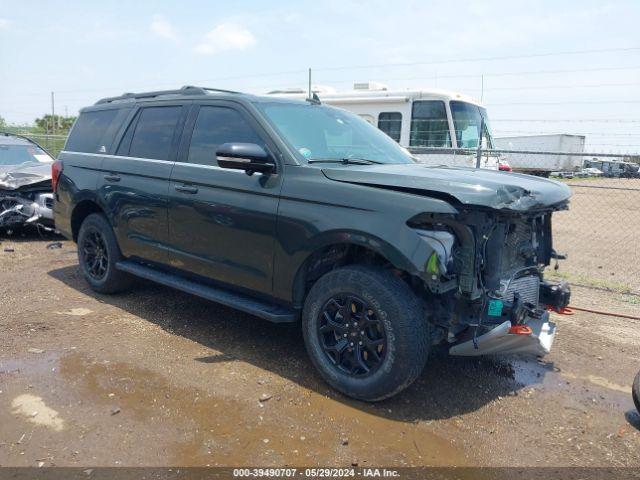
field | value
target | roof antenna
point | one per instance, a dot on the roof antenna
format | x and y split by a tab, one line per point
315	99
312	97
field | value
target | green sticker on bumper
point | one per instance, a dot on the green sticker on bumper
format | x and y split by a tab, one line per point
495	308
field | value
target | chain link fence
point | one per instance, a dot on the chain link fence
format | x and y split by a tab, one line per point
599	232
51	143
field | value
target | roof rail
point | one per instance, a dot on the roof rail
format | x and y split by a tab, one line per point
186	90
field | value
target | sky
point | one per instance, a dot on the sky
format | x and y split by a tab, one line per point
520	58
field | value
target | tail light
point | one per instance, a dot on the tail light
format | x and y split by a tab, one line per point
56	170
504	167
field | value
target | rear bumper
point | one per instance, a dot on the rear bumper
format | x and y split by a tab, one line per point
500	341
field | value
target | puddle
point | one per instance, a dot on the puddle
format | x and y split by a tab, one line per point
600	382
118	410
300	427
530	373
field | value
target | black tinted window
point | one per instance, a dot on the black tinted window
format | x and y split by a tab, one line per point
88	133
390	123
215	126
429	125
154	132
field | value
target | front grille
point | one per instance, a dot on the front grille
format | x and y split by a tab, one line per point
527	287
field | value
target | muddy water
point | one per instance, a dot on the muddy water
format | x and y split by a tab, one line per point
118	410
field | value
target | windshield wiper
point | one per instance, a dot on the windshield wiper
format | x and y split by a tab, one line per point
346	161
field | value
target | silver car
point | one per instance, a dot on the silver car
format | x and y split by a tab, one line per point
26	196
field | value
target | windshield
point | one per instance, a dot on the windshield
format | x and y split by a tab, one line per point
466	121
318	132
18	154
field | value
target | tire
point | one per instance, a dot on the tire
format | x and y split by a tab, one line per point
635	391
399	318
97	240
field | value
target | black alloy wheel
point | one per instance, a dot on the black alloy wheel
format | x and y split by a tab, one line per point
351	335
95	254
366	331
99	254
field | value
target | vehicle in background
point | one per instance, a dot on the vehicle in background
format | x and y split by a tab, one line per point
26	196
418	119
504	166
542	165
589	172
614	168
561	174
297	211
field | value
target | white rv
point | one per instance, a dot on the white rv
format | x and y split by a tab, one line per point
435	119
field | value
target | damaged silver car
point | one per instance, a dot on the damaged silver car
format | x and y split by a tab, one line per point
26	197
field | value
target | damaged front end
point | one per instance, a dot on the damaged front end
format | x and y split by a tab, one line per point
26	197
485	280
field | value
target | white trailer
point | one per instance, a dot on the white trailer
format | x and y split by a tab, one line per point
417	119
543	164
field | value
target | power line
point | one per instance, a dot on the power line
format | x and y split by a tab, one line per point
498	74
479	59
358	67
546	87
595	134
330	81
563	102
567	120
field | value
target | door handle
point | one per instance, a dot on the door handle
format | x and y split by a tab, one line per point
186	189
112	178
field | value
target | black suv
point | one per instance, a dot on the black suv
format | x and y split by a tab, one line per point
292	210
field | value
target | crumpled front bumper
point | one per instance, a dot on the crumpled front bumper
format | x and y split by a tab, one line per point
16	210
500	341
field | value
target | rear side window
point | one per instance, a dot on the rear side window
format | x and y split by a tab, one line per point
90	132
215	126
154	131
391	123
429	124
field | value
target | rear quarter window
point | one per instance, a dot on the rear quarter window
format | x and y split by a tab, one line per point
94	131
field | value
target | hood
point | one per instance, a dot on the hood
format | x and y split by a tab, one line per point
26	174
467	186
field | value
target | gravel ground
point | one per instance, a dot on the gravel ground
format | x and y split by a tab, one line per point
156	377
599	232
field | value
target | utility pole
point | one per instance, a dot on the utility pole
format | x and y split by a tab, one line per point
310	94
53	114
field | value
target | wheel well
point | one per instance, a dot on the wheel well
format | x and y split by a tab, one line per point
329	258
80	212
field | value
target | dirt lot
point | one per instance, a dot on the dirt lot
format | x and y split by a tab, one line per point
155	377
600	232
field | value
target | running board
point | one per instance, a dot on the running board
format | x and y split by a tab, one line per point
264	310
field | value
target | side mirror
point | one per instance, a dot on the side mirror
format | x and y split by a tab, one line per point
245	156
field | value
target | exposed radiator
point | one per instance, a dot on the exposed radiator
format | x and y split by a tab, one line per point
528	288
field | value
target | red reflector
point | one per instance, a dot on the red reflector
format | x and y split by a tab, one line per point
56	170
520	330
